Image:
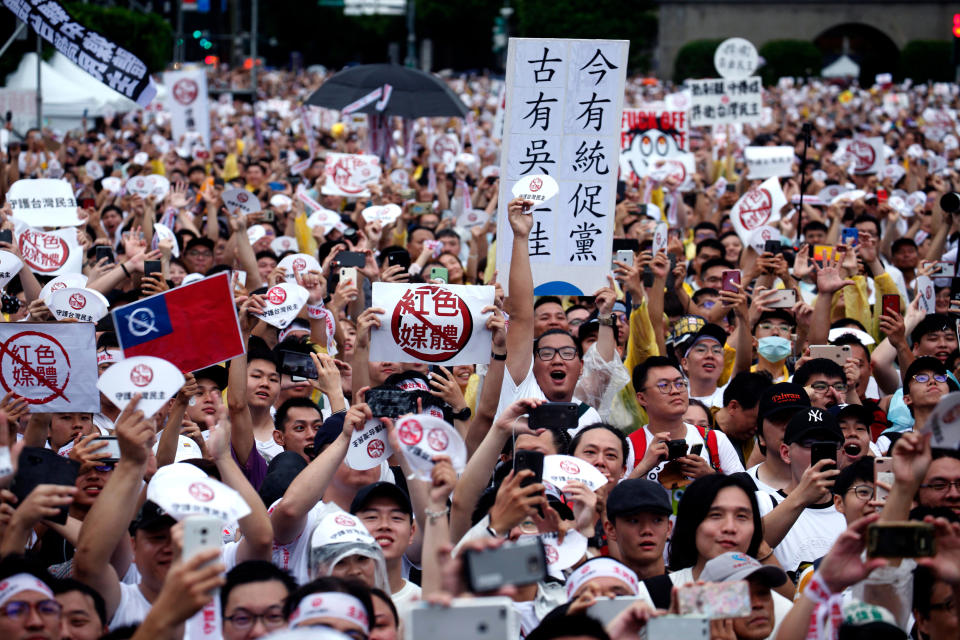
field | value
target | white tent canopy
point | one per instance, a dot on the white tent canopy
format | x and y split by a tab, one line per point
842	67
108	98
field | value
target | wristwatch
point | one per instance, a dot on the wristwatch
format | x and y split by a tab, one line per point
463	414
609	321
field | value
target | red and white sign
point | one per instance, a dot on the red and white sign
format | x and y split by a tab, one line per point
445	148
181	493
539	189
241	200
10	266
80	305
473	218
867	154
298	263
43	202
349	174
757	207
369	448
139	186
155	379
927	295
422	437
52	365
50	253
654	131
282	303
431	323
385	214
188	105
345	521
62	282
560	470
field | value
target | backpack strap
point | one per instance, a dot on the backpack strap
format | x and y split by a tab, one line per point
710	436
659	588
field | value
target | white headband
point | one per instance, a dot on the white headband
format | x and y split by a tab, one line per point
109	356
19	583
601	568
331	604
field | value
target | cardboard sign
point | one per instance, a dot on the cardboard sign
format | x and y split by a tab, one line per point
867	154
241	200
385	214
927	295
431	323
349	174
82	305
539	189
282	303
719	102
10	266
757	207
424	436
563	101
43	203
62	282
652	132
298	263
155	379
369	448
473	218
182	495
560	470
736	59
944	422
52	365
766	162
50	253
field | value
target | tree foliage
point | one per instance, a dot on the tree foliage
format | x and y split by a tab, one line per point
146	35
695	60
923	60
795	58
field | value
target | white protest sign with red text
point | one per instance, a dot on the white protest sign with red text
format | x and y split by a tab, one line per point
62	282
155	379
652	132
50	253
282	303
240	200
431	323
369	447
560	470
76	303
424	436
181	493
298	263
538	188
757	207
349	174
43	203
52	365
867	154
10	266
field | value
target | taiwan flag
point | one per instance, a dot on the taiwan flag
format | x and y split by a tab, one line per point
192	326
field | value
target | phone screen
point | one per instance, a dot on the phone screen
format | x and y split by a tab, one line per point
298	366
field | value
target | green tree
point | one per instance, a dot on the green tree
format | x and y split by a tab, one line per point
923	60
796	58
146	35
695	60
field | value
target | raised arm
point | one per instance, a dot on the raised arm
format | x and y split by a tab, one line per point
520	301
241	435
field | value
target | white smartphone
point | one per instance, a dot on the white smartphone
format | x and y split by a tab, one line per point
606	609
783	299
838	354
199	534
673	627
491	618
349	274
882	472
113	448
625	255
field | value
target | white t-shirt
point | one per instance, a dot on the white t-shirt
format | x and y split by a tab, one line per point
810	537
295	556
133	607
528	388
754	472
269	449
405	598
715	399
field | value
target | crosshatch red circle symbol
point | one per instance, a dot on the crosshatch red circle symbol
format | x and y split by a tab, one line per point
185	91
535	184
569	467
438	439
345	521
77	301
201	492
38	358
756	208
299	264
410	432
141	375
552	554
276	295
375	448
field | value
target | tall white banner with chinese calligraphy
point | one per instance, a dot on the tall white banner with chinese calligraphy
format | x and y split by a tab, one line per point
564	100
188	104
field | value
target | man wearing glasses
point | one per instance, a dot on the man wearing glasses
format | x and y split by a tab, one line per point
252	600
703	361
27	605
198	255
772	335
826	383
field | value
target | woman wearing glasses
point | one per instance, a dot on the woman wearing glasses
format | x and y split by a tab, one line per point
28	608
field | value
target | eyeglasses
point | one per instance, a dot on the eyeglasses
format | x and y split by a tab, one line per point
862	491
941	485
547	353
243	619
769	326
820	387
924	378
105	468
193	253
18	609
680	384
702	350
576	322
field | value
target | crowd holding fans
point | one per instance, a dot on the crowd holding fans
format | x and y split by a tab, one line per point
703	405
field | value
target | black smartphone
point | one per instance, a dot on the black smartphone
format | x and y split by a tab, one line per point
772	246
351	259
151	267
626	244
401	258
955	289
695	449
102	252
299	366
391	403
514	563
676	449
823	451
43	466
218	182
911	539
556	415
533	460
6	235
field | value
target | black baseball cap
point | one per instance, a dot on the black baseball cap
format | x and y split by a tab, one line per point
815	423
924	363
931	323
199	242
151	517
858	412
708	330
776	314
328	432
637	495
381	490
216	373
780	399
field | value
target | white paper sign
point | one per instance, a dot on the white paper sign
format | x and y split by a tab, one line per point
82	305
385	214
654	131
894	172
444	148
944	422
10	266
349	174
473	218
163	232
43	203
324	218
370	447
660	237
560	470
155	379
160	186
298	263
736	59
139	186
760	235
757	207
927	295
112	184
188	104
62	282
765	162
282	244
424	436
867	154
94	169
829	193
721	101
50	253
182	495
255	233
282	303
281	202
431	323
241	200
539	189
563	555
679	167
563	117
51	364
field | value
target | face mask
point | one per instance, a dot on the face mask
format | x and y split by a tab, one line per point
774	348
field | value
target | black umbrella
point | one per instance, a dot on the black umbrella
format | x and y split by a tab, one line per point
415	94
